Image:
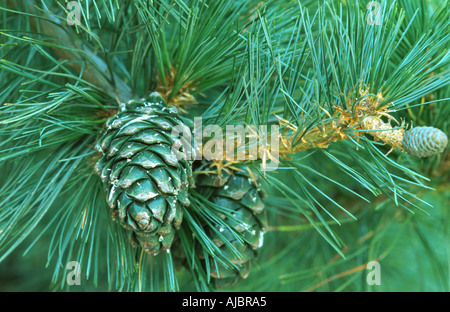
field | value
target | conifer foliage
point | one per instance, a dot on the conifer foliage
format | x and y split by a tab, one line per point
343	161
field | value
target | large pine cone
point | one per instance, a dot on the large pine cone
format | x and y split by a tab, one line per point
240	193
145	181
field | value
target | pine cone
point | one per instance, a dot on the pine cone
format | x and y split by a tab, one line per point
240	193
145	182
424	141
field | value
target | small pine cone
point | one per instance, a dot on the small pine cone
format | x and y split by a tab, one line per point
241	194
424	141
145	182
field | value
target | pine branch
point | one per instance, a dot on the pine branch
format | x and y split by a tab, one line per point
318	69
64	44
